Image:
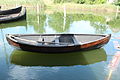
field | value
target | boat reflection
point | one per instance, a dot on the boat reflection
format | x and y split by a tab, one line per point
14	24
24	58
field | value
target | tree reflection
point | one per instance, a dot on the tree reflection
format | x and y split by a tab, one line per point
114	24
99	28
58	22
38	25
14	24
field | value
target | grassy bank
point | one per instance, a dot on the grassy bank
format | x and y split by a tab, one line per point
60	7
22	2
27	3
83	7
50	7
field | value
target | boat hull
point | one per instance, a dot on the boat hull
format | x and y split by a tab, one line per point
10	14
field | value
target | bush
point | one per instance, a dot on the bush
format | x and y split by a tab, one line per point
81	1
117	3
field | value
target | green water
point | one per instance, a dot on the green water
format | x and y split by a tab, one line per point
85	65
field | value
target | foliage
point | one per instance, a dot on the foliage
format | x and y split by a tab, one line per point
117	3
81	1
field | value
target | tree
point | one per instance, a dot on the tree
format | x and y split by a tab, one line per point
111	1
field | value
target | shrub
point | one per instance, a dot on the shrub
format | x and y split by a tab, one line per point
117	3
81	1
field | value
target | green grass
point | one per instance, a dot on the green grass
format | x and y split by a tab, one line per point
59	7
83	7
27	3
23	2
50	8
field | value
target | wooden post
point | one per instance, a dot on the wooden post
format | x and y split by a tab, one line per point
117	8
117	11
64	17
38	16
38	19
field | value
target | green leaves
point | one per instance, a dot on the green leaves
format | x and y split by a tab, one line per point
81	1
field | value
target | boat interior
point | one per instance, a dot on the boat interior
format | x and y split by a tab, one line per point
59	39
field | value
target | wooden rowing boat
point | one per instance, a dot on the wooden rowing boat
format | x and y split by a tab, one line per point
14	14
25	58
57	42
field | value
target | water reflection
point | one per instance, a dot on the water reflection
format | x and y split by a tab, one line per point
57	22
14	27
14	24
24	58
114	24
37	21
72	66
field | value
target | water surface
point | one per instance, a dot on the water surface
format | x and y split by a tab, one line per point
99	64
